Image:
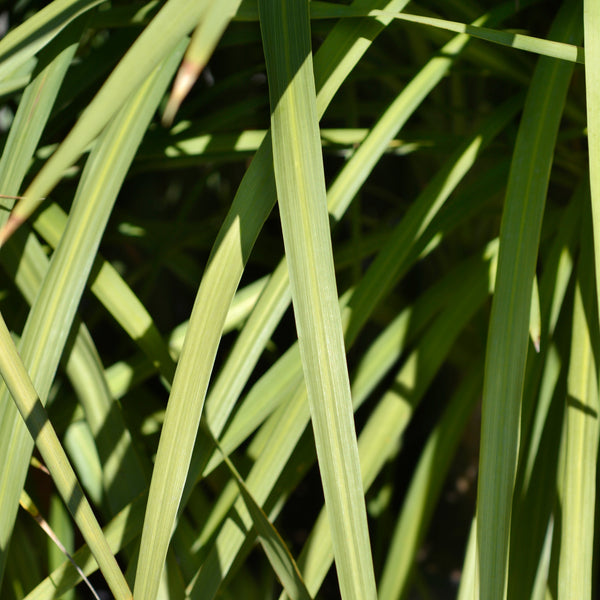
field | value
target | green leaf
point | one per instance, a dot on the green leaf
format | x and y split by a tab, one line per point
509	324
30	120
279	556
576	481
591	21
302	204
17	380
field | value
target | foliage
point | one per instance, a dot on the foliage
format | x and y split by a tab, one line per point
265	264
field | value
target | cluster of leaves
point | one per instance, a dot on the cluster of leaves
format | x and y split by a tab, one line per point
184	366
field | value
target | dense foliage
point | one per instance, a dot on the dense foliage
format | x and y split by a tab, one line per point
373	209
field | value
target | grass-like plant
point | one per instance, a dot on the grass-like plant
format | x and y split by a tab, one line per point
265	265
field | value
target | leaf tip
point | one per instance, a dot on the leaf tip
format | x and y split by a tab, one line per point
186	78
13	223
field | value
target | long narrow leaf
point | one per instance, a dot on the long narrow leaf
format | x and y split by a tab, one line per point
28	125
591	19
564	51
303	208
279	556
509	324
581	434
32	411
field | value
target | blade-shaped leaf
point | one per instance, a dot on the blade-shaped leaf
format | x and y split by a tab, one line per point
509	324
302	204
32	411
